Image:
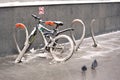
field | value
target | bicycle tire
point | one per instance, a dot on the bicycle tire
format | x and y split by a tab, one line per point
74	34
59	48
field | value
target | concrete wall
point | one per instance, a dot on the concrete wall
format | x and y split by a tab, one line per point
107	17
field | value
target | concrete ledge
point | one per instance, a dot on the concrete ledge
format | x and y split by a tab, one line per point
15	4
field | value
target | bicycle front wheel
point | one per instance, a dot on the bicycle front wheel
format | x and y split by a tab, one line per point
62	48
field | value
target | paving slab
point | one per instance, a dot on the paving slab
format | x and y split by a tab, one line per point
107	55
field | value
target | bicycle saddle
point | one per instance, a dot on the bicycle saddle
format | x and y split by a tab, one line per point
59	23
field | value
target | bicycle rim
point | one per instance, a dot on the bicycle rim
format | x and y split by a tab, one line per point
62	48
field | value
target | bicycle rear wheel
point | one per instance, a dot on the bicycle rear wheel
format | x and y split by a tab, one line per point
62	48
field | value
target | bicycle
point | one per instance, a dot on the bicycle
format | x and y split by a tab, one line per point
55	42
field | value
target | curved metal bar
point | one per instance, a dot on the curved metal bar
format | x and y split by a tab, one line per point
92	33
18	48
83	33
22	52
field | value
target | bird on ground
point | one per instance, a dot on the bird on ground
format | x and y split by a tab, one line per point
94	64
84	68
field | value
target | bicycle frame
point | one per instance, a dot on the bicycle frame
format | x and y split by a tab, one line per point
41	29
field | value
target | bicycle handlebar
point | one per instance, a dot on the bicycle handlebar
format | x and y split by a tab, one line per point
50	23
33	15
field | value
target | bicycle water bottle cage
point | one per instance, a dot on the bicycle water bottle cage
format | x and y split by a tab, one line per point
54	23
20	25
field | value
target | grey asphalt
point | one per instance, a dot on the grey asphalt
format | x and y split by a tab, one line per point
107	55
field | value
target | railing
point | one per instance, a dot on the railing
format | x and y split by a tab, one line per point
17	3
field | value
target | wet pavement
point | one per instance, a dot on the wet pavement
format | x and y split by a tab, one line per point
107	55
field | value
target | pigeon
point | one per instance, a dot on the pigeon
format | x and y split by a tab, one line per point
84	68
94	64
